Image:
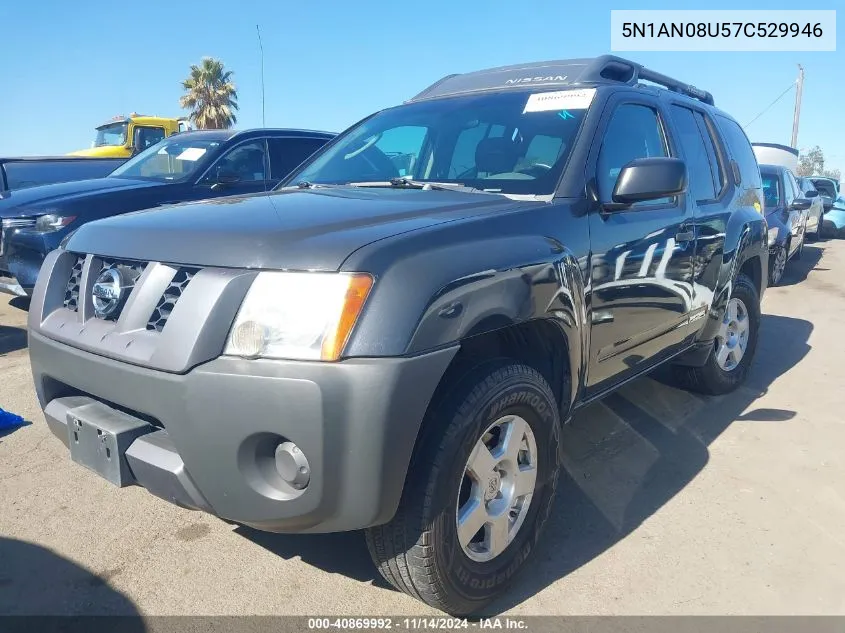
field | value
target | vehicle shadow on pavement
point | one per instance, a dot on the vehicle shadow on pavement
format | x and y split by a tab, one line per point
21	303
11	339
342	553
797	270
35	581
629	455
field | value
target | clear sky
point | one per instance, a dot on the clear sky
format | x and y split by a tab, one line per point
70	65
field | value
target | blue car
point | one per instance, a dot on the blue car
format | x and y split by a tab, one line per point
834	220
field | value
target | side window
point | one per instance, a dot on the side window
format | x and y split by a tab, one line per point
147	137
788	189
634	131
701	185
287	153
741	152
244	162
793	186
771	190
712	154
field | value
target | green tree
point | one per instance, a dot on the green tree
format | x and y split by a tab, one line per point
210	95
811	163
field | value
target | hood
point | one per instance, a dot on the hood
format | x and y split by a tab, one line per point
19	201
313	229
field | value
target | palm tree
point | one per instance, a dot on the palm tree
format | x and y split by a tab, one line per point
210	95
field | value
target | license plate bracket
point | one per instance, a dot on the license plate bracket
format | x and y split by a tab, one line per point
98	437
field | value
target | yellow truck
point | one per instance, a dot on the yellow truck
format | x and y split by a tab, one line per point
123	137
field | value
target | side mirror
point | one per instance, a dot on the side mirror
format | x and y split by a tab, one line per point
224	177
811	194
800	204
649	179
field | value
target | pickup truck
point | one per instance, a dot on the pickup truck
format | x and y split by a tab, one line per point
183	167
31	171
392	339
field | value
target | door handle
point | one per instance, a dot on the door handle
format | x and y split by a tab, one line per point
685	236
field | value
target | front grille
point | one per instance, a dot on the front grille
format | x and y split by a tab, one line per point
130	271
169	298
71	301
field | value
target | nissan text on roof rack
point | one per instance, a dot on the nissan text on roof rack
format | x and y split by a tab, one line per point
392	339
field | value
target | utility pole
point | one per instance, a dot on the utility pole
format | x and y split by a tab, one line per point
797	114
261	48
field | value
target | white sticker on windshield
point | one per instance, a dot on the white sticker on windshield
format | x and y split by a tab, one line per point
560	100
192	153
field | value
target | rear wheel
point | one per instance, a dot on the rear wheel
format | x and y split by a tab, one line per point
778	264
478	492
734	345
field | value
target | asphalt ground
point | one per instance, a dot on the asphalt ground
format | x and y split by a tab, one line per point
671	504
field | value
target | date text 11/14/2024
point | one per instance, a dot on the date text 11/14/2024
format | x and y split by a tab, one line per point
415	623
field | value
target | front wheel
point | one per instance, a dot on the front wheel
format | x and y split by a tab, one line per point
734	345
478	492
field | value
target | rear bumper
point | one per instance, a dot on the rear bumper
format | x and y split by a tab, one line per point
217	426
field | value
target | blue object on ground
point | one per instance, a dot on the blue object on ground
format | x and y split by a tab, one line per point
9	420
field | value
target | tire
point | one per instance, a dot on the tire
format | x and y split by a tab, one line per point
713	378
419	551
820	229
777	267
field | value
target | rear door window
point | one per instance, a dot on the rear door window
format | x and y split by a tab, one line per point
701	182
287	153
741	152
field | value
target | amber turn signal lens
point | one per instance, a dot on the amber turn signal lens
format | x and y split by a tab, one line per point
356	295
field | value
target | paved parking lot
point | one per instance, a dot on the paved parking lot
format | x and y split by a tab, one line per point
673	504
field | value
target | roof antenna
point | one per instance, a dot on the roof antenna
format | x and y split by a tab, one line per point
261	48
263	122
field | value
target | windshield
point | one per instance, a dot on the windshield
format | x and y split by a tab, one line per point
511	143
173	158
771	190
111	135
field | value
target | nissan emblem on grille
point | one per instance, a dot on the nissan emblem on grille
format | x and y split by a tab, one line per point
110	291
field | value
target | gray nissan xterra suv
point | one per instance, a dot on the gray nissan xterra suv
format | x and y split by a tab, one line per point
392	339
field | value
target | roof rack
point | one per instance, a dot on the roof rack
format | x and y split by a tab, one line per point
599	70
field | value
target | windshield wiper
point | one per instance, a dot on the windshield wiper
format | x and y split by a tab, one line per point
409	183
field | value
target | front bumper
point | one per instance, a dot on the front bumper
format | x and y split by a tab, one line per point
213	430
21	260
10	286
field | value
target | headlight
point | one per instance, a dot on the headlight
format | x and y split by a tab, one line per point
305	316
773	235
52	222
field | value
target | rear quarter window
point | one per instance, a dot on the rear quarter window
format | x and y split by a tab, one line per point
740	150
